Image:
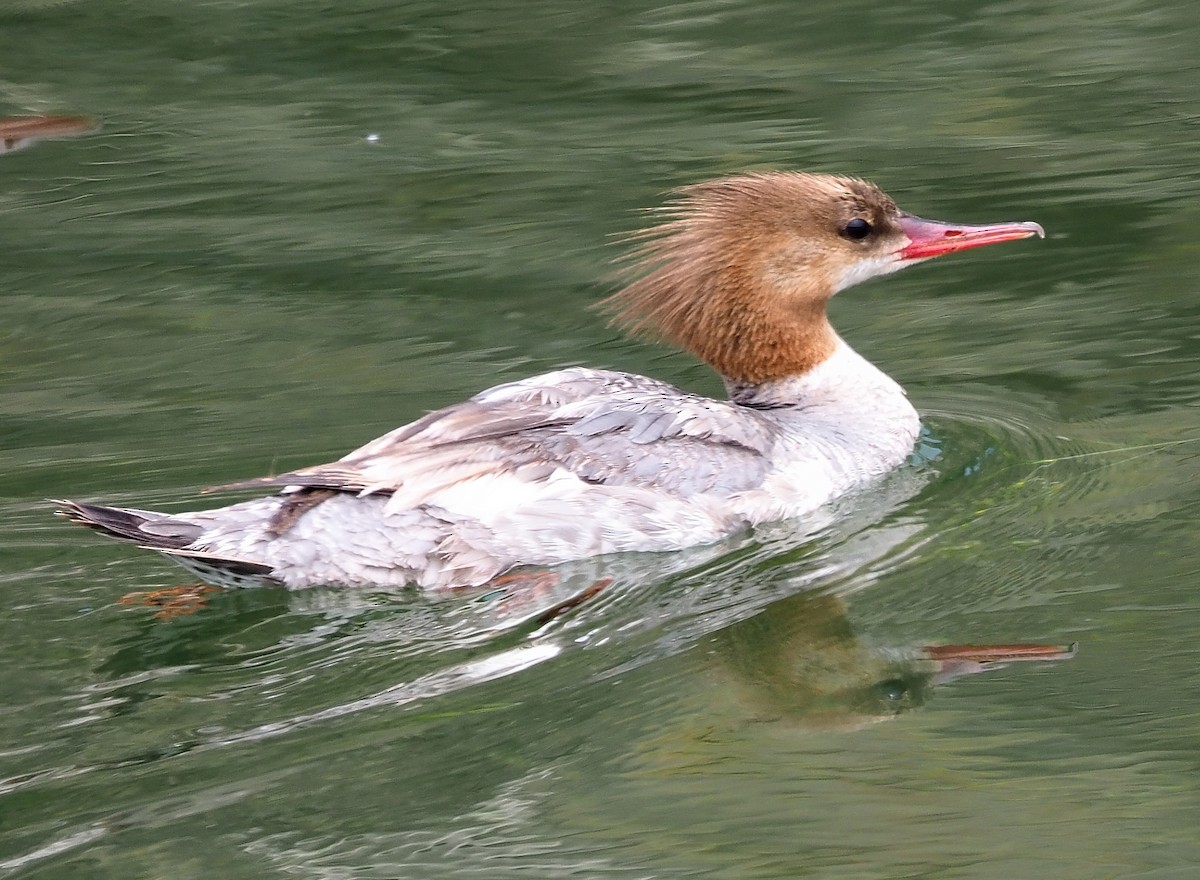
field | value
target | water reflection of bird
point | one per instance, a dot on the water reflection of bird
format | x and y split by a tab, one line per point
583	462
800	660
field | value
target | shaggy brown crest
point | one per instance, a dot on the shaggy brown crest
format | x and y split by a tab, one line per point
742	270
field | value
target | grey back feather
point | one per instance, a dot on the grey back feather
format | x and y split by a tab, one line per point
603	427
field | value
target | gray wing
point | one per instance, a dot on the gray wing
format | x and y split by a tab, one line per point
602	427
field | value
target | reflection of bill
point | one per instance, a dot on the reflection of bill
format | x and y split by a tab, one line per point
800	660
19	132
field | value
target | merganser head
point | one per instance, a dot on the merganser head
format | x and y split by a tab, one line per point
742	270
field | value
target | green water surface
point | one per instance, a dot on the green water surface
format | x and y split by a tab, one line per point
304	223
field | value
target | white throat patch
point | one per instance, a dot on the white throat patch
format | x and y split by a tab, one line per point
864	269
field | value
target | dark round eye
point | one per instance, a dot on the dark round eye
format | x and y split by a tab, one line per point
893	690
857	229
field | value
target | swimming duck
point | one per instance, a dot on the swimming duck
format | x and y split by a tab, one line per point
581	462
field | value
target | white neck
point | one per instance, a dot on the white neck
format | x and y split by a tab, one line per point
844	378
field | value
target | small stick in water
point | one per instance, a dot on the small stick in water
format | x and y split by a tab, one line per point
18	132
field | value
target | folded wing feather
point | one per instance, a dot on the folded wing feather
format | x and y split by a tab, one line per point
598	426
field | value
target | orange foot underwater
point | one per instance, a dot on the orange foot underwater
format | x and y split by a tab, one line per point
174	601
530	596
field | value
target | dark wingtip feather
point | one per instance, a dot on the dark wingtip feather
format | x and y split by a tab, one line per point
228	564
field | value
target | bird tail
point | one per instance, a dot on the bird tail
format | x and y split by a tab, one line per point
156	531
171	536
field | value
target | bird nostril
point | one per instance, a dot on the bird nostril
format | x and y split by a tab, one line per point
950	233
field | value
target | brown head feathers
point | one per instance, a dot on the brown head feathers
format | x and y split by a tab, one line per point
742	268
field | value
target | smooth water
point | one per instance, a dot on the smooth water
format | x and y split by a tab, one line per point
304	223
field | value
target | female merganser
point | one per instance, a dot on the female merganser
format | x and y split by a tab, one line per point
582	462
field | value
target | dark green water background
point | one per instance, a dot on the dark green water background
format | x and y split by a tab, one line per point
304	223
